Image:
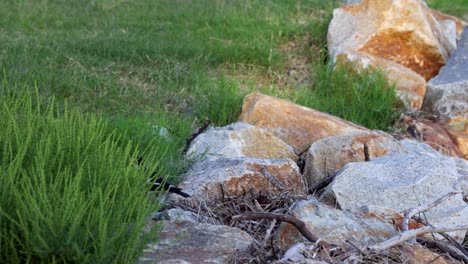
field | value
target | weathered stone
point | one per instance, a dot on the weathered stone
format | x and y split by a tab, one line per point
447	94
401	182
416	254
238	175
432	133
419	148
184	242
297	125
410	86
405	32
240	140
330	154
334	226
178	214
299	254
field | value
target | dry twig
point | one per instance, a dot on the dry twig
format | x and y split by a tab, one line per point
298	224
407	235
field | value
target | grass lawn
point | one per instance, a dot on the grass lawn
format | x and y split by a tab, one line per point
141	66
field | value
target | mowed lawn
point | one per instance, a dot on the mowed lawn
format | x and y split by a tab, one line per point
137	77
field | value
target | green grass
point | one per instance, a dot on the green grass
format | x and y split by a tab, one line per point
69	191
137	78
455	7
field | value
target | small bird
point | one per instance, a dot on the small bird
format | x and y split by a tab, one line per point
162	184
167	186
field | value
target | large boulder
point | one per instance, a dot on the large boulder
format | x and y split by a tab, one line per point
211	179
330	154
401	182
240	140
447	94
405	32
185	242
334	226
297	125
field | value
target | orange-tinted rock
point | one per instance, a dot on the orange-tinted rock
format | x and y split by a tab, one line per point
460	138
434	134
459	24
410	87
240	140
296	125
330	154
211	179
405	32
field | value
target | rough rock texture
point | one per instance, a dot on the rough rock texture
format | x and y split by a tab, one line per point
419	148
401	182
240	140
334	226
330	154
298	126
434	134
299	254
184	242
238	175
447	94
405	32
178	214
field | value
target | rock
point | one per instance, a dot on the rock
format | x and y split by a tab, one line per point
404	32
299	254
296	125
240	140
432	133
417	254
334	226
410	86
403	181
185	242
178	214
419	148
238	175
461	165
447	94
330	154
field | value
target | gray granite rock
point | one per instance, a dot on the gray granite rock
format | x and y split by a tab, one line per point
330	154
447	93
401	182
185	242
334	226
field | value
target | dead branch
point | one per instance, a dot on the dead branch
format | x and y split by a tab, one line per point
407	235
424	208
196	134
421	209
268	232
272	179
298	224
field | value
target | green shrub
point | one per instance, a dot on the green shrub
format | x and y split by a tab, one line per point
69	191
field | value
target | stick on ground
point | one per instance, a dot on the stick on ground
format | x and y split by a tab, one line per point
298	224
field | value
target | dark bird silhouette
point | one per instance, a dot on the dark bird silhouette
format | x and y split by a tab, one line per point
162	184
167	186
